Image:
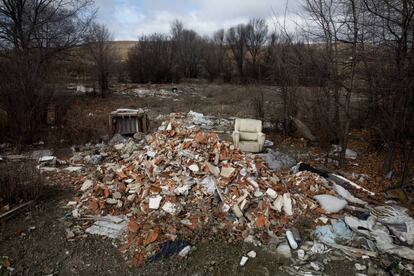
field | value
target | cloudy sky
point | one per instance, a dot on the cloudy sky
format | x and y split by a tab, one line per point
127	19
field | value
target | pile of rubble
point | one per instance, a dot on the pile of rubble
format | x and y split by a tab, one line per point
182	183
189	184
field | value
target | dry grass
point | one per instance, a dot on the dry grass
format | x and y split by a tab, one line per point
19	182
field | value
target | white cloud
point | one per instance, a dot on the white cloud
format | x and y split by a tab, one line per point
127	19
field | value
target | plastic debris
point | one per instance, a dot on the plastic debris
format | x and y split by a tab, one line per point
291	239
169	248
330	204
184	252
243	260
251	254
338	230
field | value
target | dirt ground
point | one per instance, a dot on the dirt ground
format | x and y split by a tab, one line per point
35	243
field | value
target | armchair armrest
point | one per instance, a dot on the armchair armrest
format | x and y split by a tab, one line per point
236	137
261	139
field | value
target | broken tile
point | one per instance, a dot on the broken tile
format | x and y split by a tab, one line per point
154	202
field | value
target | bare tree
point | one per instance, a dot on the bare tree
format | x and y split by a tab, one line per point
151	60
390	74
236	38
214	54
98	42
257	30
338	24
32	34
187	48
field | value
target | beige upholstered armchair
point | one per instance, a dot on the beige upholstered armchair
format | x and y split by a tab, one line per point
248	136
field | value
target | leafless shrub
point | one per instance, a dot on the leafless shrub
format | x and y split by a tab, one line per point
19	182
81	126
318	103
258	102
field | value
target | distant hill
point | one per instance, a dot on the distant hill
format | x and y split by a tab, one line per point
122	47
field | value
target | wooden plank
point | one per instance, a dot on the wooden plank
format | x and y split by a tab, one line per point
16	210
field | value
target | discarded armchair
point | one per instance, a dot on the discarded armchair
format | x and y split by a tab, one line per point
248	135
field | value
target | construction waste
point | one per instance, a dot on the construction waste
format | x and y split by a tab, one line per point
184	183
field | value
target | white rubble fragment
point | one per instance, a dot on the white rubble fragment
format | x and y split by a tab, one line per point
243	172
287	204
350	154
243	260
194	168
253	182
184	252
110	226
131	197
360	267
119	146
48	169
226	172
301	254
73	169
75	213
272	193
208	184
86	185
251	254
315	266
117	195
154	202
278	203
251	239
284	250
111	201
318	248
225	208
258	193
183	190
213	169
169	208
330	204
199	118
151	153
237	211
323	219
47	159
69	234
40	153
